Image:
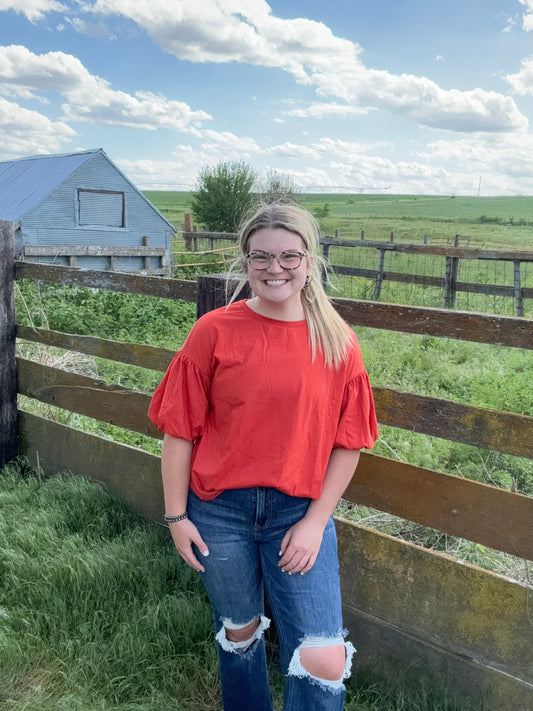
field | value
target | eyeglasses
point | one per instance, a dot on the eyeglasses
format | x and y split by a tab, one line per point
286	260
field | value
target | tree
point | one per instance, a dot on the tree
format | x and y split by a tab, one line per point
223	195
277	187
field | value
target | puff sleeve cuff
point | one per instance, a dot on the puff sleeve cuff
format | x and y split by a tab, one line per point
358	426
180	404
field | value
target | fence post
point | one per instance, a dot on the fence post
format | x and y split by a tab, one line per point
325	256
8	368
379	277
187	227
146	260
450	280
519	299
215	290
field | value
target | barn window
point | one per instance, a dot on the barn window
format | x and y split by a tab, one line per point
102	208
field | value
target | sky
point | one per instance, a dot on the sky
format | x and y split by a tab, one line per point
426	97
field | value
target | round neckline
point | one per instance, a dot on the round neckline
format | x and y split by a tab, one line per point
269	319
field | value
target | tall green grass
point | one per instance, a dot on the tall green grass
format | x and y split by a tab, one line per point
99	613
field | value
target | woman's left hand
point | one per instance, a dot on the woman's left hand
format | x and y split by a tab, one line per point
300	546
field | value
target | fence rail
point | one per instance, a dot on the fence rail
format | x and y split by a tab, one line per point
480	427
75	251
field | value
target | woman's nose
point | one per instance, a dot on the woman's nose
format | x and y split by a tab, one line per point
275	266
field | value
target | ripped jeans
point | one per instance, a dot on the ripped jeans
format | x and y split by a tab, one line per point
243	529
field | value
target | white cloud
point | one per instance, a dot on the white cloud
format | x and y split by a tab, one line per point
90	98
33	10
327	110
522	82
226	143
510	155
247	32
293	150
527	17
25	132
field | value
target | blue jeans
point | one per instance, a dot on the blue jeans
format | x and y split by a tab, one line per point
243	529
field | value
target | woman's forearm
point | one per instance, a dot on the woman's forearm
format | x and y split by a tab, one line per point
341	467
175	469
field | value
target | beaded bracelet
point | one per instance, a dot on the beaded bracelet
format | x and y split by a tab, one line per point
174	519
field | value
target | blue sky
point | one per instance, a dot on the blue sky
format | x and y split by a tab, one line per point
419	96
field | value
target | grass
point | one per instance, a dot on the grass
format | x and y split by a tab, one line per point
99	613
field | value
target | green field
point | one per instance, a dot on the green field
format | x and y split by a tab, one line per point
495	222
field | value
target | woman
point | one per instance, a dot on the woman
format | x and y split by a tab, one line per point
264	412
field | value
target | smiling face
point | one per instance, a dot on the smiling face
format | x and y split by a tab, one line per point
277	290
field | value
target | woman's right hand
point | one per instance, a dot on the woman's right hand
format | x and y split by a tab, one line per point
185	534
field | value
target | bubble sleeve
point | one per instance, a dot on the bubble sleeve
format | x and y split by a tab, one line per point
180	404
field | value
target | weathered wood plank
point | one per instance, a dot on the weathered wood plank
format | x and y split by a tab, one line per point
380	483
8	372
133	474
479	427
480	328
488	429
129	283
130	353
86	396
215	291
91	250
499	519
427	249
418	612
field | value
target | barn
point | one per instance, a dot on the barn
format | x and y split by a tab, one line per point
80	210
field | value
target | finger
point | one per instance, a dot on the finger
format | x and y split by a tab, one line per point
296	563
284	543
308	566
191	560
199	543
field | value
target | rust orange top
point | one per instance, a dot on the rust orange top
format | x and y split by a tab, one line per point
260	413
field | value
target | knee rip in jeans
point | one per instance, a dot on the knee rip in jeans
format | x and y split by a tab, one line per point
245	645
297	667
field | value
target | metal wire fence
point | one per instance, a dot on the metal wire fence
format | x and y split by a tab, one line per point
433	275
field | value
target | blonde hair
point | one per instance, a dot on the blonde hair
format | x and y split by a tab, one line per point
328	333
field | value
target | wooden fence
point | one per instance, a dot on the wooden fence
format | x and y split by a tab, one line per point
409	610
73	252
449	283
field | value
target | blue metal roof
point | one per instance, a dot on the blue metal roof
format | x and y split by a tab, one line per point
27	181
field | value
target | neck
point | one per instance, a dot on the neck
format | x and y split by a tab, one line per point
284	311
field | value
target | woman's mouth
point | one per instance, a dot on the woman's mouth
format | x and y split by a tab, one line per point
275	282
